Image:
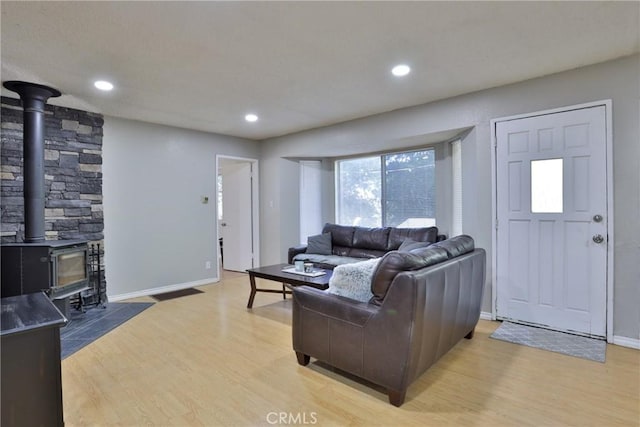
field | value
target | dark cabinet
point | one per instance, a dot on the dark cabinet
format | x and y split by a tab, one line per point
31	391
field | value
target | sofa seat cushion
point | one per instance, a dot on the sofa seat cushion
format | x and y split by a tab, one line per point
333	260
365	253
353	280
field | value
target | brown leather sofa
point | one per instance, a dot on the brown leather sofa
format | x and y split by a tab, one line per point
424	302
352	243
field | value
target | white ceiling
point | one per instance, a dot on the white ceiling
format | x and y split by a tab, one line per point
298	65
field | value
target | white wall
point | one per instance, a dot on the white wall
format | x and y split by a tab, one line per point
158	233
617	80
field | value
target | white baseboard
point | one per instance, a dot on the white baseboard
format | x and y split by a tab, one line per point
161	289
485	315
626	342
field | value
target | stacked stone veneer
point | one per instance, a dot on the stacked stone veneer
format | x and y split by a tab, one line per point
73	173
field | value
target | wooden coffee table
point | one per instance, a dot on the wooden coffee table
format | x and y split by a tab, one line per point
275	273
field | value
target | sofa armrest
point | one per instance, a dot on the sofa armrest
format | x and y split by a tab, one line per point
295	250
333	306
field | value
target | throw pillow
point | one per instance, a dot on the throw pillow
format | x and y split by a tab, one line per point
353	280
410	244
319	244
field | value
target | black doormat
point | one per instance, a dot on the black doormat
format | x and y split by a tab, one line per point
176	294
84	328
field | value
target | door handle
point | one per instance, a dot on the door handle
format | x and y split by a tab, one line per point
597	218
598	238
223	224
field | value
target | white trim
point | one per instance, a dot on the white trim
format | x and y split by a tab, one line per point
608	112
456	187
604	102
494	213
626	342
485	315
255	203
607	103
161	289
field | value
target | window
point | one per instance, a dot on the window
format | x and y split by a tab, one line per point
546	186
310	198
359	192
396	190
219	193
456	187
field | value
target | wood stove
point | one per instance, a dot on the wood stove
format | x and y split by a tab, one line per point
58	267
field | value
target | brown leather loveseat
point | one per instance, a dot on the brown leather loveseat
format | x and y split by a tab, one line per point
424	301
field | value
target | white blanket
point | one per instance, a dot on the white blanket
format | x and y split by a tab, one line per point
353	280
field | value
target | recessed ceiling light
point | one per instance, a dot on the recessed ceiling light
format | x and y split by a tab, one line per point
103	85
251	118
401	70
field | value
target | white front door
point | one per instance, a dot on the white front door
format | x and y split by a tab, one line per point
236	226
551	237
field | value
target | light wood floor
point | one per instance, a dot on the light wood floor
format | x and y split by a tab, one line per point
207	360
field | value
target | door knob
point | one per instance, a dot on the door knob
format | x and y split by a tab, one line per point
597	218
223	224
598	238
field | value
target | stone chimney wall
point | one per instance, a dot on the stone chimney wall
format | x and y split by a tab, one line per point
73	173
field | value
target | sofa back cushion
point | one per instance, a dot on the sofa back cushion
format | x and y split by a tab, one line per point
422	234
371	238
410	244
456	246
369	242
341	238
341	235
395	262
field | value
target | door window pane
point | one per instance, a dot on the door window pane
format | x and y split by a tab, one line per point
546	186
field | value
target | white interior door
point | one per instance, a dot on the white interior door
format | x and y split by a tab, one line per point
236	226
551	196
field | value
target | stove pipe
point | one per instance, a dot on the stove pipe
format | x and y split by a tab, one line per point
34	97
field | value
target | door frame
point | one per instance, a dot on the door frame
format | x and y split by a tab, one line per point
609	173
255	206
